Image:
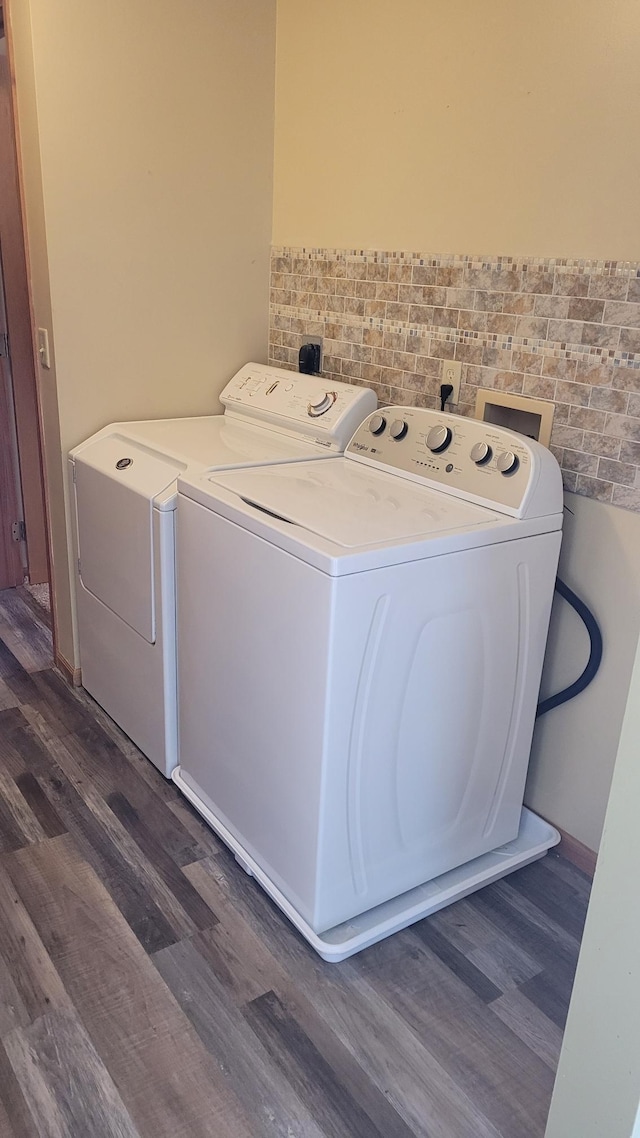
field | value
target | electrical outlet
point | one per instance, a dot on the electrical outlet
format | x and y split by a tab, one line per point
452	373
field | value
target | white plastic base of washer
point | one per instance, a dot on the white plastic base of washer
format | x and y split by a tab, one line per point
535	837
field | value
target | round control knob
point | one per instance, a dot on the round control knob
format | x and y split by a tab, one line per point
319	404
398	429
508	462
481	453
439	438
377	424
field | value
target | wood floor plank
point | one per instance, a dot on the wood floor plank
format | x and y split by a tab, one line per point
24	817
550	994
506	965
10	666
15	1113
64	1081
511	1085
147	868
11	834
541	887
24	630
575	878
373	1033
166	1080
531	1025
203	841
34	976
271	1104
21	750
6	1129
50	825
242	970
8	698
314	1080
110	771
39	605
188	897
13	1012
456	961
529	927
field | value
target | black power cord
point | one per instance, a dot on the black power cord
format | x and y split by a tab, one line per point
445	391
595	654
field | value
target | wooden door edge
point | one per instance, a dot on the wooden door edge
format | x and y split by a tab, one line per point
6	7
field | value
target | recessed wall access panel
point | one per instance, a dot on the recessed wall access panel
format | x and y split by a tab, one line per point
530	417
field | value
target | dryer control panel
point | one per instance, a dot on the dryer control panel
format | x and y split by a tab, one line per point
325	411
464	457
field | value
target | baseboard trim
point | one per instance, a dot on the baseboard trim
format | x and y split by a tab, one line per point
73	675
577	853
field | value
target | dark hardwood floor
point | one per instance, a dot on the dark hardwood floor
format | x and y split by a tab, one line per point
149	988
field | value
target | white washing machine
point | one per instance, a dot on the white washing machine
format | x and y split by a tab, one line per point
124	490
357	693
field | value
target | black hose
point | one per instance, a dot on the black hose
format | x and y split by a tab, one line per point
595	655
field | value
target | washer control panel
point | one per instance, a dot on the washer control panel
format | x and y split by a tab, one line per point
324	410
464	457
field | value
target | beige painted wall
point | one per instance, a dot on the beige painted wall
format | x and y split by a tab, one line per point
459	127
575	745
597	1089
491	128
153	130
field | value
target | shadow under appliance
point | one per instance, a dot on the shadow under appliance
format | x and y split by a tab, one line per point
357	694
124	490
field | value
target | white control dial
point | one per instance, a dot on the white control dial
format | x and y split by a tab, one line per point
398	429
320	403
377	424
439	438
507	462
481	453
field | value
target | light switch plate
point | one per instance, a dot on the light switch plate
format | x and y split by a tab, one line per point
43	348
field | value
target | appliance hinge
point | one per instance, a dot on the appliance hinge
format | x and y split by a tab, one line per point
79	568
73	474
4	345
19	531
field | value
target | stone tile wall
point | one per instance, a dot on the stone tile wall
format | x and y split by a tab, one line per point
568	331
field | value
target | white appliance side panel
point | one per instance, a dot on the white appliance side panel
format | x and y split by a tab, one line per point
253	640
114	509
435	672
133	680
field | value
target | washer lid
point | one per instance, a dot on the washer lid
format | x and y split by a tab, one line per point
350	505
343	517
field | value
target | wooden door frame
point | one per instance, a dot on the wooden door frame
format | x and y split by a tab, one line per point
11	561
21	343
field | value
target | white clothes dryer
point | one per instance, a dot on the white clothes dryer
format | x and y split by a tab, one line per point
360	733
124	494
